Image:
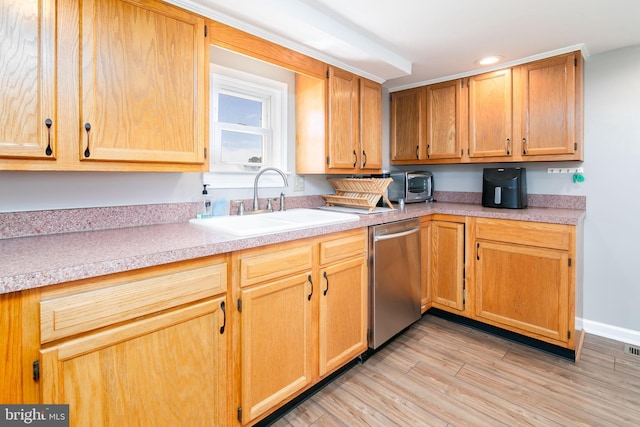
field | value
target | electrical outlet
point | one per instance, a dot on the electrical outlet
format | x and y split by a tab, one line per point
298	183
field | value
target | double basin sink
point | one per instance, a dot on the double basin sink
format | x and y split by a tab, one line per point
274	222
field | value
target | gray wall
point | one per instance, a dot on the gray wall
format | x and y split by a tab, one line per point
612	149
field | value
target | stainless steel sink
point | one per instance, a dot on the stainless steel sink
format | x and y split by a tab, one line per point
274	222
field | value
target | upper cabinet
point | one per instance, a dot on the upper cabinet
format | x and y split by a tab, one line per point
370	125
548	108
446	120
104	85
532	112
338	124
28	118
407	137
143	82
342	119
490	132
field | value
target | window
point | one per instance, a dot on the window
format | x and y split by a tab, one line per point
248	127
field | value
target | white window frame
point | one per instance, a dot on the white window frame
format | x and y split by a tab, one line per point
274	93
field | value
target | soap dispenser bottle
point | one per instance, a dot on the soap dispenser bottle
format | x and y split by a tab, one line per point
208	206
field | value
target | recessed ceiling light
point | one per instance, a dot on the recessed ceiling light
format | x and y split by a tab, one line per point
489	60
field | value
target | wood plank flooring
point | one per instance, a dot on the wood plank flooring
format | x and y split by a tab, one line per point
439	373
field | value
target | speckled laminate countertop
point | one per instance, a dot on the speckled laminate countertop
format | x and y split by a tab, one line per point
36	261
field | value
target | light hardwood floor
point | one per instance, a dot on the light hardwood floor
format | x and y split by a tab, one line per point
439	373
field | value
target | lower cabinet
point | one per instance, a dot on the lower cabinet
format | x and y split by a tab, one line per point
525	278
276	342
343	313
302	310
447	264
144	351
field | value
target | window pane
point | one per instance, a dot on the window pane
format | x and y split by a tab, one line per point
233	109
239	147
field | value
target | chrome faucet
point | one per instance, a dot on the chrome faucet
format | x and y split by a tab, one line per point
255	186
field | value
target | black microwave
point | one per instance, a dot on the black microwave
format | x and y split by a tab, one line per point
413	187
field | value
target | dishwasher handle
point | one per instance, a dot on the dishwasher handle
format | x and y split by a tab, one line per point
396	235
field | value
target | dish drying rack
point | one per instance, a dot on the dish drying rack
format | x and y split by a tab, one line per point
358	192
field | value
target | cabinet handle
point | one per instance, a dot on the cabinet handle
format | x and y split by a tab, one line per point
524	146
87	127
364	158
417	151
311	283
48	124
327	279
224	320
478	251
355	158
429	151
508	147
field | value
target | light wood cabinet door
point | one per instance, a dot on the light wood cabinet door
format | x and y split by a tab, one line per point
447	265
370	126
167	369
276	342
549	108
407	137
524	288
490	115
143	82
28	120
343	313
444	120
343	128
425	266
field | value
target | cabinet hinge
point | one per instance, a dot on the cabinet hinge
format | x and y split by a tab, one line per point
569	262
568	335
205	152
328	160
240	413
240	305
575	62
575	146
36	370
327	73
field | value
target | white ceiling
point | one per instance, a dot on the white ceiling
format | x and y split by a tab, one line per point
409	42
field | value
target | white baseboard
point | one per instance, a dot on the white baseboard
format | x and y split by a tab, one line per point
608	331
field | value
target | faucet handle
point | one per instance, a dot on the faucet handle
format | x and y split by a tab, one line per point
269	207
281	201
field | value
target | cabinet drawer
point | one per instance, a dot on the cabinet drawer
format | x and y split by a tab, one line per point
555	236
72	314
343	247
273	263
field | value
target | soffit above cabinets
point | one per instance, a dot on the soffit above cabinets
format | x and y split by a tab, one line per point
414	42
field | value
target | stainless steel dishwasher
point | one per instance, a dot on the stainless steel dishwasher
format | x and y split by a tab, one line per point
394	279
